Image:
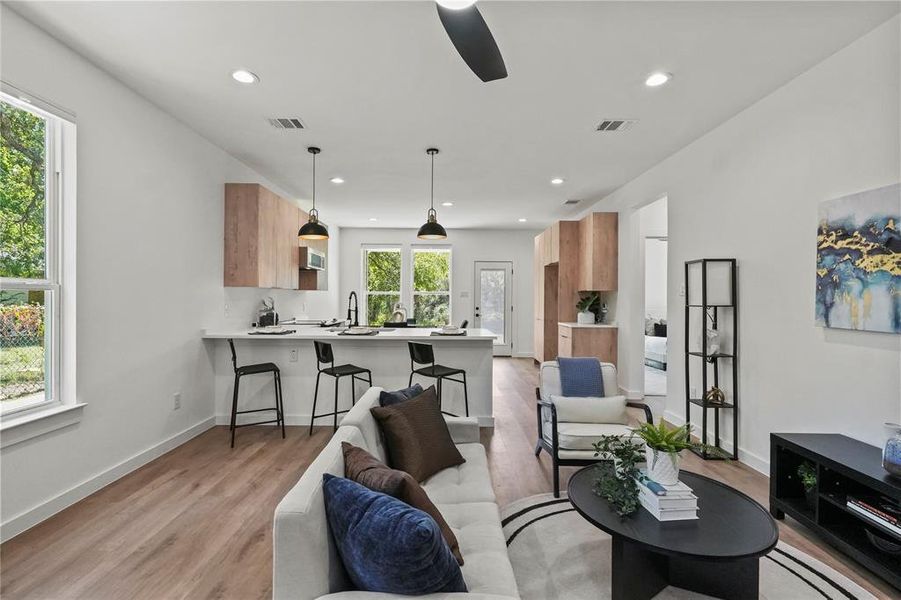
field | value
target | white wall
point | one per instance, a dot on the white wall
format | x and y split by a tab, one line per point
750	189
469	245
150	223
655	277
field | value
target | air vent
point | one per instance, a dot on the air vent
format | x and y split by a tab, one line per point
286	123
571	202
616	125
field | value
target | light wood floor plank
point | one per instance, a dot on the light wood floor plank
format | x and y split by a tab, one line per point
197	522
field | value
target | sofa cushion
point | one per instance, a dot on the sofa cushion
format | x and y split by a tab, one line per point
387	545
582	436
417	437
611	409
365	469
388	398
478	527
468	482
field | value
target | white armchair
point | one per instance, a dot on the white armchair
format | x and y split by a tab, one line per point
568	427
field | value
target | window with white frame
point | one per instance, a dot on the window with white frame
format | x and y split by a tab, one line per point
431	286
30	255
382	272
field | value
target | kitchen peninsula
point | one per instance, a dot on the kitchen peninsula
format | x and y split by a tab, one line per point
385	353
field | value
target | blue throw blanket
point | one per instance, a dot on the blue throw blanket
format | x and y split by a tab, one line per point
581	377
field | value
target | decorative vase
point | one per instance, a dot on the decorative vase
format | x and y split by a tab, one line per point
891	453
603	315
585	318
663	467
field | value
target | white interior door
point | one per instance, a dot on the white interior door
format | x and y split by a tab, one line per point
493	303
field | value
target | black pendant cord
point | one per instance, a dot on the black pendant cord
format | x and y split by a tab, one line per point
432	203
314	181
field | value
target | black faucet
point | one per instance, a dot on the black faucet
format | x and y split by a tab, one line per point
355	311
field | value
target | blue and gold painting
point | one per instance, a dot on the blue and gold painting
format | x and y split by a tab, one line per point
859	261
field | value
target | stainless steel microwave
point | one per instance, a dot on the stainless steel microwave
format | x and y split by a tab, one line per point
311	260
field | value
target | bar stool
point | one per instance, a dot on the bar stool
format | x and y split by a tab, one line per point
324	355
256	370
422	354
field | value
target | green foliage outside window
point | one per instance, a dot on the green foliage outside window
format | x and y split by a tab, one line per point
21	193
431	273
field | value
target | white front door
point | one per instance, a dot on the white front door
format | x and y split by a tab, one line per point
493	303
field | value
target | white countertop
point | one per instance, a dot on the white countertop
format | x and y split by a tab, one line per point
589	325
306	332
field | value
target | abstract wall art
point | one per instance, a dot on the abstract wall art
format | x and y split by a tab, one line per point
859	261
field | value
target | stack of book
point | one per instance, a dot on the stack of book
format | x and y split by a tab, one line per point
667	502
879	510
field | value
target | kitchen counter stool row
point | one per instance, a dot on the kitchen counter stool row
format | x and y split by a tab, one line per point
422	362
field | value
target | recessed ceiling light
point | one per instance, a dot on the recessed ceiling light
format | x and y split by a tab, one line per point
456	4
373	219
657	79
521	220
244	76
337	180
557	181
447	204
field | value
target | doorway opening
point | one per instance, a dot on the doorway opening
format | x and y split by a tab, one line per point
654	232
493	306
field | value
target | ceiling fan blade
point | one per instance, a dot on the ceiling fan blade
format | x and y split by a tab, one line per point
473	40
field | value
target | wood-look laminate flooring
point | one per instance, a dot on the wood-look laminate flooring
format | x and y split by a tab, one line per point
197	522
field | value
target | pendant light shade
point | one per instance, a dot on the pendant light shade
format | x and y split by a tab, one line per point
432	229
313	229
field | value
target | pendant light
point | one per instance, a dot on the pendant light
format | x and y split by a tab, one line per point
313	229
432	229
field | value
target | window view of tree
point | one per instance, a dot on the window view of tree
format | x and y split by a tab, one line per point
383	273
23	335
431	287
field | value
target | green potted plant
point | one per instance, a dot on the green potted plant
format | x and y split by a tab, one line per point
618	472
808	474
662	447
587	306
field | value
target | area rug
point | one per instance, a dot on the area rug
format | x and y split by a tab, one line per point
557	555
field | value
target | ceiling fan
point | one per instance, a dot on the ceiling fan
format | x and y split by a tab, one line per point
471	37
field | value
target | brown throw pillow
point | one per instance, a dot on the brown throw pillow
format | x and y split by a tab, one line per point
367	470
417	437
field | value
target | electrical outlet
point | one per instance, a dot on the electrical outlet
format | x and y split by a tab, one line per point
176	400
228	310
303	307
292	356
694	392
682	290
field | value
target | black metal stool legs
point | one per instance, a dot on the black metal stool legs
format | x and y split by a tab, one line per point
234	409
315	397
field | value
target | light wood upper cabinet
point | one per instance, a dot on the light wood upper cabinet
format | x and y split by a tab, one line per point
599	252
261	245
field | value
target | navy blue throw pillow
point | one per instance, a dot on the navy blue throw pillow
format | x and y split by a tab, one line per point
389	398
387	545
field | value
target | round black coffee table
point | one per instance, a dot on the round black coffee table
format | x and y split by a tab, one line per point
716	554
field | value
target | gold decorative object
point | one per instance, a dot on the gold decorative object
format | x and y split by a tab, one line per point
715	396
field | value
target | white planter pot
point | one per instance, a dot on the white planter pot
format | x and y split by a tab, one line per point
663	467
585	318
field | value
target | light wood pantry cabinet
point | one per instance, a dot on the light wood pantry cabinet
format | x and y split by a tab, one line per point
569	257
587	340
261	245
599	252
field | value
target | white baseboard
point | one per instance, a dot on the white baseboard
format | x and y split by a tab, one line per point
523	355
28	519
756	462
304	420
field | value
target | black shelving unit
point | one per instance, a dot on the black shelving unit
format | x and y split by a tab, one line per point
844	467
712	363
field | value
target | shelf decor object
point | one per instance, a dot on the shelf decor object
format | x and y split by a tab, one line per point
856	505
891	452
711	310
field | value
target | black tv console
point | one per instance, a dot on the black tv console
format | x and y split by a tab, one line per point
844	466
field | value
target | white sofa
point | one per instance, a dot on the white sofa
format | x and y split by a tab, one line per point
305	562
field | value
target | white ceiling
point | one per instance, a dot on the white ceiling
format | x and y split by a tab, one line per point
378	82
